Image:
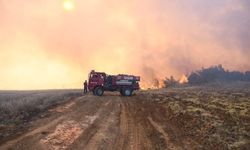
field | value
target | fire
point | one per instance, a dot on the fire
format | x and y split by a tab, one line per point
152	84
183	79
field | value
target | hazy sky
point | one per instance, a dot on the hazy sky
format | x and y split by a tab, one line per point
55	43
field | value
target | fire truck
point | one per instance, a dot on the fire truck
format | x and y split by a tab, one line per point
125	84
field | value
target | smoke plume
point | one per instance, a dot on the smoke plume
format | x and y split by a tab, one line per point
45	46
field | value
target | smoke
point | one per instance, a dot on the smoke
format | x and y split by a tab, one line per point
150	38
201	33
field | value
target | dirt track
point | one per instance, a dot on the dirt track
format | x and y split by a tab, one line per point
182	118
108	122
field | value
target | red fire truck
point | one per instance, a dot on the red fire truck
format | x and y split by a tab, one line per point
100	82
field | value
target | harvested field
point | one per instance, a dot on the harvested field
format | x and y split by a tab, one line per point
177	118
17	108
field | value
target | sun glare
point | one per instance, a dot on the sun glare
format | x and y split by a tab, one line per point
68	5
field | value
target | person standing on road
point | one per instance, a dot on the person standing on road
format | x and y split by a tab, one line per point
85	86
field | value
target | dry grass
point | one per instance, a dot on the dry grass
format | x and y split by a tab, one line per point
216	116
19	106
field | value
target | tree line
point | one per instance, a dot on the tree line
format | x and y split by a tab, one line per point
217	74
210	75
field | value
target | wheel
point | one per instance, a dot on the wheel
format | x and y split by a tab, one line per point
99	91
127	92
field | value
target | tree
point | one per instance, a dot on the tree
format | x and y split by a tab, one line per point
216	73
170	82
156	83
194	78
247	76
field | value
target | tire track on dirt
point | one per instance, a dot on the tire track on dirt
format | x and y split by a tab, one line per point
132	133
105	136
53	121
108	122
36	131
95	133
148	133
159	128
82	112
123	125
67	132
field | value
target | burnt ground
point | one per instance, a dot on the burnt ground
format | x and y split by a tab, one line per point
187	118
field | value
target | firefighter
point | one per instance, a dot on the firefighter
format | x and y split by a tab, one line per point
85	86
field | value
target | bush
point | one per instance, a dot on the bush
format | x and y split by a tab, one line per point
170	82
216	74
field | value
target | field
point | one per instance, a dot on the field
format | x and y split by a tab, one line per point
17	108
207	117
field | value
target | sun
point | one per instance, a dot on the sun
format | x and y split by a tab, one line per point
68	5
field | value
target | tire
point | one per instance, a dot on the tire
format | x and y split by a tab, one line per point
99	91
127	92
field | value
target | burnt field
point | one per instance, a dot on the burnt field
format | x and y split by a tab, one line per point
201	117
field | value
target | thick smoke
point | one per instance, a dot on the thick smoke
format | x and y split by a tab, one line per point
151	38
201	33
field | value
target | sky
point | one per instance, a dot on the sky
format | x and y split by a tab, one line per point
48	44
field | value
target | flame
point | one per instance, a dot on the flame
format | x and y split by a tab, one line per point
183	79
152	84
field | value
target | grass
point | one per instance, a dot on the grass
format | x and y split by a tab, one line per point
218	117
19	106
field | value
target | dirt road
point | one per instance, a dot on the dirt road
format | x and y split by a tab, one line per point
174	119
108	122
